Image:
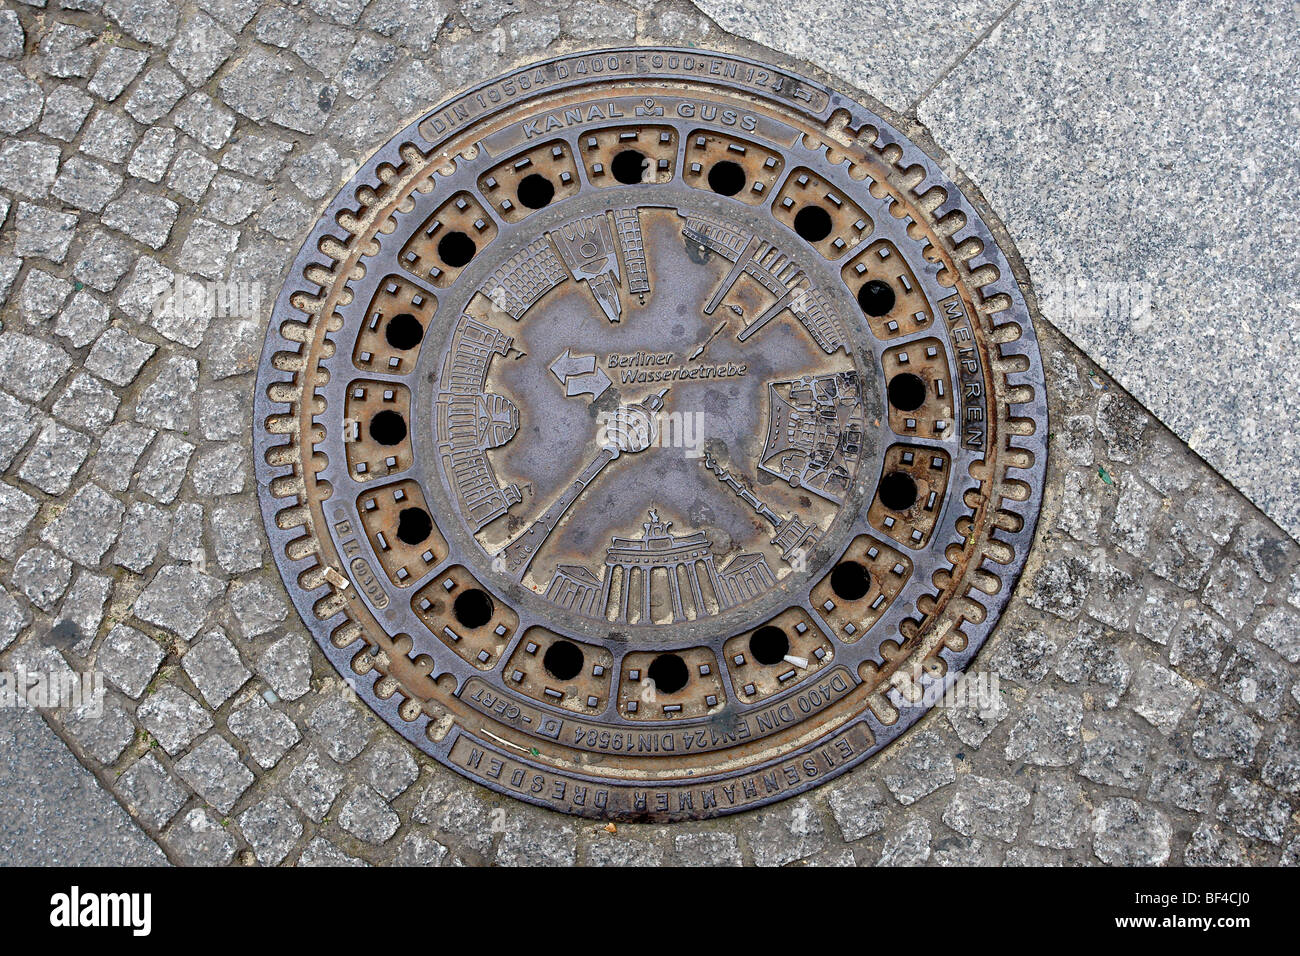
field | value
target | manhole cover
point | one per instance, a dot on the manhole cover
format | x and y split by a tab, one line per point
648	433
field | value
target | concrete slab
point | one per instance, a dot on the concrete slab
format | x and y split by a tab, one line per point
893	49
53	811
1143	157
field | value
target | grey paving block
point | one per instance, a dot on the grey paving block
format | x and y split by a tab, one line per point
892	49
1149	236
43	789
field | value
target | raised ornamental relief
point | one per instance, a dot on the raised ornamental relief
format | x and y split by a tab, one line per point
639	445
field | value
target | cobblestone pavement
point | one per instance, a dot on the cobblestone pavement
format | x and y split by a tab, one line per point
1148	661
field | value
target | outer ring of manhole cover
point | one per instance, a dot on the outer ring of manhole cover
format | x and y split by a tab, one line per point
650	433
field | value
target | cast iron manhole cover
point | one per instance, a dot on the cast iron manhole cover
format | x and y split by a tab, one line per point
647	432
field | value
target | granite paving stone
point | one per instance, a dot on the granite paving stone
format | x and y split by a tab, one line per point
66	108
178	599
215	667
173	717
198	839
272	829
129	659
268	733
1096	187
216	773
286	666
314	784
149	792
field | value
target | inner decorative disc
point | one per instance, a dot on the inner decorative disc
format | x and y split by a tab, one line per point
650	434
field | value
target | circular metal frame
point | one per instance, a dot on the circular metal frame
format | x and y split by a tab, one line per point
446	638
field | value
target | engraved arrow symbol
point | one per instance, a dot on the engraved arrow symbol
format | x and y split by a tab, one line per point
594	383
569	364
579	375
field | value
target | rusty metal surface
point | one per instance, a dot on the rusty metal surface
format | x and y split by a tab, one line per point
647	433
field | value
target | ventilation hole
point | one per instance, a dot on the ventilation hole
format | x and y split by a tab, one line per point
473	608
669	673
876	298
387	428
456	249
769	645
629	167
413	525
850	581
897	491
813	223
907	391
726	178
563	660
535	191
403	331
